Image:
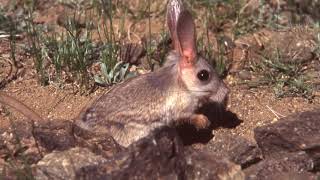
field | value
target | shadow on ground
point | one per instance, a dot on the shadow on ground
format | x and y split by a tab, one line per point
219	117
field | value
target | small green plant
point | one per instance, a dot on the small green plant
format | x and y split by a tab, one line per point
112	75
36	49
288	79
67	51
71	55
73	51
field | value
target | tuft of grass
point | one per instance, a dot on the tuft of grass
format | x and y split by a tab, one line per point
70	52
68	55
34	39
113	70
112	75
286	79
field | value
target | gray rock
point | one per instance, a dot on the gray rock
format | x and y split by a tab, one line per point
291	148
245	75
162	156
24	144
54	135
205	165
157	156
294	176
288	149
64	164
286	176
100	144
18	141
299	132
63	135
298	162
236	148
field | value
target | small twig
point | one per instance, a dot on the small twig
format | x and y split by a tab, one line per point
278	115
275	113
9	36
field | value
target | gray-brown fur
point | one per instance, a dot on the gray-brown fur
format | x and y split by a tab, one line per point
139	105
134	108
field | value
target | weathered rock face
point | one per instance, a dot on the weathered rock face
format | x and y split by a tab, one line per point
63	135
297	133
162	156
285	176
157	156
206	165
291	162
236	148
292	45
63	164
101	144
27	143
18	141
54	135
289	146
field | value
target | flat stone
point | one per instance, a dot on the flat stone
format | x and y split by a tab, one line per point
54	135
62	135
64	164
100	144
236	148
155	157
287	176
298	162
298	132
162	155
290	145
206	165
18	141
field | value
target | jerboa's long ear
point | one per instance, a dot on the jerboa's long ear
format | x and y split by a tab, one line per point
187	38
173	11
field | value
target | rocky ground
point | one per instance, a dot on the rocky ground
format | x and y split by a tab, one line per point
261	135
288	149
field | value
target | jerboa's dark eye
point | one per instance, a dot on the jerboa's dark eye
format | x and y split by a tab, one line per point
203	75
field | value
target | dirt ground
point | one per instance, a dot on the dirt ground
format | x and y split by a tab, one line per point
253	107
